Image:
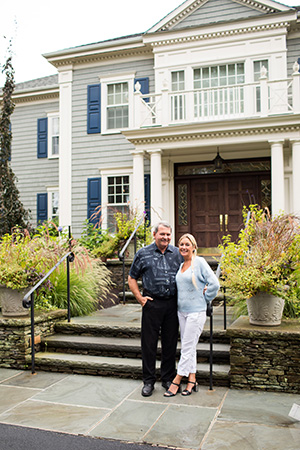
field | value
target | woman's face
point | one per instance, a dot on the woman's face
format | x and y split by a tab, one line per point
186	248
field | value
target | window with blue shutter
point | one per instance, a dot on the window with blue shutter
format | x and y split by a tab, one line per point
42	207
94	200
94	109
147	197
144	82
42	138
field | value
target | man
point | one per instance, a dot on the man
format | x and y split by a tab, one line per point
157	264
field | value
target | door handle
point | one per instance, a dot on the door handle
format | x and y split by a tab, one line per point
226	222
221	222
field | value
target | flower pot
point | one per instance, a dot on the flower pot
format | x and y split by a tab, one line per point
11	302
265	309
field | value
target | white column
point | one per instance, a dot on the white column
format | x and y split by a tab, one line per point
156	186
277	177
296	175
65	147
138	194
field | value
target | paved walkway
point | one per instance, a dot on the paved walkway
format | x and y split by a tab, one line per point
109	408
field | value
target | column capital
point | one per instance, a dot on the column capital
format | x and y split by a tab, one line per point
276	141
295	140
137	152
156	150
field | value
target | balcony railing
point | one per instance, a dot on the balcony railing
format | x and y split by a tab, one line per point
248	100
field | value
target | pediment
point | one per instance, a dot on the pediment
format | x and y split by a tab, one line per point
194	13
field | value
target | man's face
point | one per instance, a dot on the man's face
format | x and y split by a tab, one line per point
162	237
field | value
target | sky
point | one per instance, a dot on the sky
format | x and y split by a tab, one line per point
36	27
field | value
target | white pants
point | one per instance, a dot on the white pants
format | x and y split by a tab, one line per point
191	326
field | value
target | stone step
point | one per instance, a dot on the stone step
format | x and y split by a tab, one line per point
119	367
122	347
125	331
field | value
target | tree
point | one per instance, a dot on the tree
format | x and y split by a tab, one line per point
12	211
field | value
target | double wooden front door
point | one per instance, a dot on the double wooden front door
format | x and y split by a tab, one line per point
210	206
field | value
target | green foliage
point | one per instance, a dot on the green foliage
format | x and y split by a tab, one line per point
104	244
24	260
12	210
264	258
88	286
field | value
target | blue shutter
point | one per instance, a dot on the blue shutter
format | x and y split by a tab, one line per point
94	199
42	138
42	207
94	109
144	82
147	197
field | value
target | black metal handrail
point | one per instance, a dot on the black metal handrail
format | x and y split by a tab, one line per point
122	252
29	302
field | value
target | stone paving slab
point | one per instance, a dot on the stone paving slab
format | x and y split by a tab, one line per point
109	407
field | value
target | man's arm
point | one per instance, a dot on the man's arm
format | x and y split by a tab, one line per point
136	292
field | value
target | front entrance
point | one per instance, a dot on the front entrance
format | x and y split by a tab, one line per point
209	204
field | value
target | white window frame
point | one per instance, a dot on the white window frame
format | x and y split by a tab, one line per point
105	173
51	117
50	191
114	79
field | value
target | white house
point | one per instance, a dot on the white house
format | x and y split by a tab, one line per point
142	118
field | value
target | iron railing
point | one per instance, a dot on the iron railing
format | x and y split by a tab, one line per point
28	300
122	252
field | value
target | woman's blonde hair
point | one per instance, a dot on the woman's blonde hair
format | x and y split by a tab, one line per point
193	241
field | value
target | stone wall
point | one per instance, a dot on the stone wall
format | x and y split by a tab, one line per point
265	358
15	336
116	268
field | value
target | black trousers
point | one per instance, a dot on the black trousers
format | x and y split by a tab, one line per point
159	315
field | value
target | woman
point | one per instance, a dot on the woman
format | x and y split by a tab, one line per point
197	285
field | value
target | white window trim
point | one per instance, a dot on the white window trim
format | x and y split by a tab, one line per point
50	190
111	79
50	117
105	173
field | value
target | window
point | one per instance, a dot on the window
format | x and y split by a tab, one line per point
53	135
257	66
53	203
117	106
218	90
177	99
117	102
117	197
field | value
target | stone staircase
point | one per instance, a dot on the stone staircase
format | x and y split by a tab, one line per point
107	343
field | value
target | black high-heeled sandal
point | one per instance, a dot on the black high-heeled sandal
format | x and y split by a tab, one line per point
194	388
168	393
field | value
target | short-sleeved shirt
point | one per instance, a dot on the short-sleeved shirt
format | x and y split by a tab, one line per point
157	270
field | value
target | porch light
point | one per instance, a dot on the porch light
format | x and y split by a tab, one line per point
218	161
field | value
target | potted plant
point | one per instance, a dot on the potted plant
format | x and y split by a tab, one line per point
258	269
24	260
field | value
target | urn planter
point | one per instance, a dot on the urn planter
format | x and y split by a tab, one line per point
11	302
265	309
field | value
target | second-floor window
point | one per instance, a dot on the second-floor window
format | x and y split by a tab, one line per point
178	98
53	135
219	91
257	66
117	106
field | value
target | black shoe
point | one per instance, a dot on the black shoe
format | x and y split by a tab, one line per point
147	390
194	388
169	393
166	384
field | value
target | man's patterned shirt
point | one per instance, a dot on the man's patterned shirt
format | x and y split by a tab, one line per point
158	270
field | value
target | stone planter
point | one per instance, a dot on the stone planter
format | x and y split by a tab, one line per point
265	309
11	302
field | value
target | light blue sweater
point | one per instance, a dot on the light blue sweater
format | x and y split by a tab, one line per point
191	299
